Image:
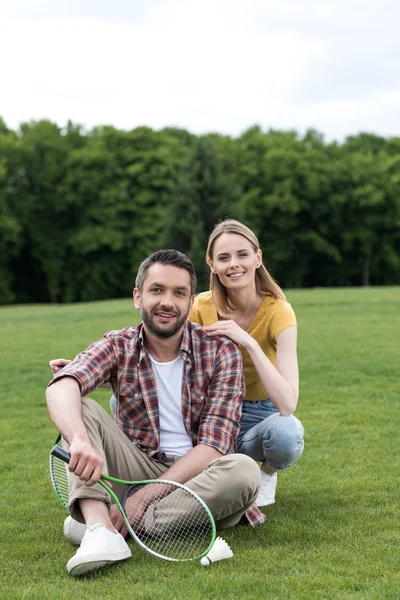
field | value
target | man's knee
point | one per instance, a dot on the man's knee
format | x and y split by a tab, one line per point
244	472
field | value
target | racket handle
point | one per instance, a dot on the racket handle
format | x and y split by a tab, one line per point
60	453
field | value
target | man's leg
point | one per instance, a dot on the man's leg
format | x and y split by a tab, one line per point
101	544
228	486
121	457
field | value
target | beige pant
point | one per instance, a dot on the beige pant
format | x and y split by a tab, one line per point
228	486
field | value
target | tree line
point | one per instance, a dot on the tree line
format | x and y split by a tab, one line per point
79	210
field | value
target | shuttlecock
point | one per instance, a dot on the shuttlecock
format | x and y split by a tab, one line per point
219	551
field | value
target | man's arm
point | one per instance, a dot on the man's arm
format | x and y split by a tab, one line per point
78	378
191	464
56	364
219	424
64	404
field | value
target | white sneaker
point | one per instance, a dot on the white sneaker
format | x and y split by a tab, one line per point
99	547
266	495
74	531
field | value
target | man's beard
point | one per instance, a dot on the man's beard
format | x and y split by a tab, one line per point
158	331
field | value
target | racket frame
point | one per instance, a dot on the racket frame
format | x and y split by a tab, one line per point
58	452
55	479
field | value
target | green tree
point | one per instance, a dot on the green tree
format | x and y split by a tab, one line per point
119	184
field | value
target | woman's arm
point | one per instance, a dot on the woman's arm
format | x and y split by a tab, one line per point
281	383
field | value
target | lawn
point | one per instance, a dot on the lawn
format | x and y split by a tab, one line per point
334	530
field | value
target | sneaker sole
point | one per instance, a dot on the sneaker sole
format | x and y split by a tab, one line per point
88	567
92	565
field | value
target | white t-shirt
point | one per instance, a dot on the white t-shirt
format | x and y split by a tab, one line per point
174	440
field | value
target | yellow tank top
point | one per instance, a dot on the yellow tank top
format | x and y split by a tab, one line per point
273	317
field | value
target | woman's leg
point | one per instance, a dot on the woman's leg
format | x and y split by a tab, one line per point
275	441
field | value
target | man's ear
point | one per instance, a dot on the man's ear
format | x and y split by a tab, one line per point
136	298
191	303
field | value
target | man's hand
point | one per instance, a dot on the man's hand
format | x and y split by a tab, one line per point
134	510
85	463
136	506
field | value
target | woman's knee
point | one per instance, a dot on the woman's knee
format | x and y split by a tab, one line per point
284	427
283	441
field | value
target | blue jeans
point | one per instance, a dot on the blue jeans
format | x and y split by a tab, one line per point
266	435
113	405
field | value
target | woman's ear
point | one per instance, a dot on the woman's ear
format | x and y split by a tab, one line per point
259	258
209	262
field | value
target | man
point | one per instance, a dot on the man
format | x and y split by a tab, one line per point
179	394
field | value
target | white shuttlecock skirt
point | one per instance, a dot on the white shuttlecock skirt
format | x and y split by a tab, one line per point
220	551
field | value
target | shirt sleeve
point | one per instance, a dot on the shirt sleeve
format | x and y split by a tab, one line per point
219	424
91	367
283	317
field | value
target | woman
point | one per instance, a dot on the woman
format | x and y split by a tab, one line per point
245	304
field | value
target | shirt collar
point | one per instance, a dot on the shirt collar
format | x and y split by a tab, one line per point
186	345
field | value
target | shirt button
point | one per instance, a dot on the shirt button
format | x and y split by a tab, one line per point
201	397
136	395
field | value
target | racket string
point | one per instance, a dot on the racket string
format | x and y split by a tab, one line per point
59	478
174	523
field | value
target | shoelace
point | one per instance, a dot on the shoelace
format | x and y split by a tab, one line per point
91	533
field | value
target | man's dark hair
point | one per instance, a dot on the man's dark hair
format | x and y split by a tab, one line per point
167	257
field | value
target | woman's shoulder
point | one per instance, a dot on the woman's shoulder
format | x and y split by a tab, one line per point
203	310
274	305
276	315
203	299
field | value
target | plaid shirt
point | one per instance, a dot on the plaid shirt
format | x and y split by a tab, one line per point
212	388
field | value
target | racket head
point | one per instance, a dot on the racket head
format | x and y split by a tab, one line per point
177	525
58	475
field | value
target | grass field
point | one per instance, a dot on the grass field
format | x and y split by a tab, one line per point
334	531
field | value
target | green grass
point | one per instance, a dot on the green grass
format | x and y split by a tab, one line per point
334	531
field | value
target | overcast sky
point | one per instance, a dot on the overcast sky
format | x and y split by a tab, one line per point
205	65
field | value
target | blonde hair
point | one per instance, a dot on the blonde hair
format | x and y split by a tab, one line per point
265	284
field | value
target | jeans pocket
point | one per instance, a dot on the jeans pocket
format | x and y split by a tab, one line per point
268	405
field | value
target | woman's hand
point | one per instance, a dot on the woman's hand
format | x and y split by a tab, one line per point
232	330
57	364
